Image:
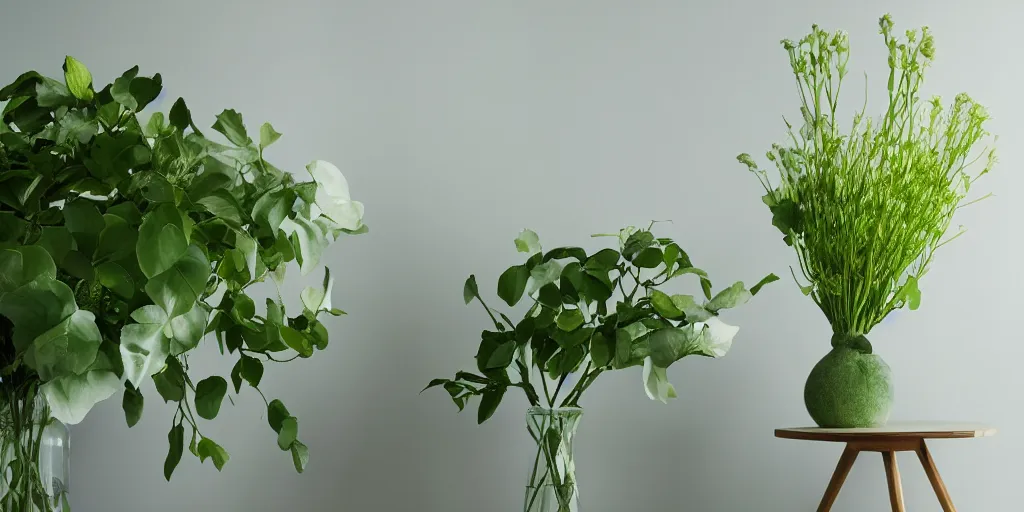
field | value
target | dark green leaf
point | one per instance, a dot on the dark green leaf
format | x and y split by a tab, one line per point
512	284
209	395
176	440
170	383
470	290
502	355
671	344
566	252
117	240
51	93
770	278
252	370
297	341
161	241
601	349
574	338
132	404
637	242
650	257
180	117
276	414
116	279
489	402
229	123
550	296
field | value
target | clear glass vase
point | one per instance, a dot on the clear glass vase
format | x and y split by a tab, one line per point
551	482
35	458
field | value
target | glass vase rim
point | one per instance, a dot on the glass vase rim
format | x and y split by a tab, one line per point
538	410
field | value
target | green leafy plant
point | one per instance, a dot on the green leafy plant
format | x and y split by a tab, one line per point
588	314
867	209
592	313
123	243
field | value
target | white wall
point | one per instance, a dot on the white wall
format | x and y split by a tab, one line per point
459	123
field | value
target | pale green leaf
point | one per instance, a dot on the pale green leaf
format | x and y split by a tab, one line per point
71	397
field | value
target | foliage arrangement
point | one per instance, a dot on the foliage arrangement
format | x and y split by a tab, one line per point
123	243
590	314
867	209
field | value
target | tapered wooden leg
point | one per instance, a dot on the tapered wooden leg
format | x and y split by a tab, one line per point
838	477
936	480
892	474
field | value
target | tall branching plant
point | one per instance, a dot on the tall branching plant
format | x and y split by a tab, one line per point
867	209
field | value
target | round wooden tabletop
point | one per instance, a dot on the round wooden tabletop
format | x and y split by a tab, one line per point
916	430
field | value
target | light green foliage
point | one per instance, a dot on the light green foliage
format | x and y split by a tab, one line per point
867	209
125	239
588	314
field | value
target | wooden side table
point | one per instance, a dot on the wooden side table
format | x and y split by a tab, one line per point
887	440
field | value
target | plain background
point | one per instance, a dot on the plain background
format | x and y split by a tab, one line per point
459	123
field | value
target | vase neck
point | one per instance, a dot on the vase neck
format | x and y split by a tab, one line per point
852	341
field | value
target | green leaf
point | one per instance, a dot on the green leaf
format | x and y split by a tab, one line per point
170	383
910	293
296	341
230	124
770	278
688	305
528	242
209	395
276	414
572	339
143	344
731	297
637	242
605	259
177	289
132	403
650	257
252	370
71	397
69	348
85	223
116	241
569	319
179	116
162	241
470	290
601	350
489	402
512	284
51	93
663	305
78	79
187	330
176	440
221	204
56	240
145	90
671	344
300	456
36	307
544	274
656	382
211	450
22	265
289	432
315	299
502	355
268	135
562	253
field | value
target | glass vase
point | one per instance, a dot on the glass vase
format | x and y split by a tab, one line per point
35	458
551	482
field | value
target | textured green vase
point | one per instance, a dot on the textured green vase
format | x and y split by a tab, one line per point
850	387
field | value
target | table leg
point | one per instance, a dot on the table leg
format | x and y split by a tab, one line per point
838	477
892	475
933	476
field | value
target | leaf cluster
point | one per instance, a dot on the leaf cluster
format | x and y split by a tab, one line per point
124	243
592	313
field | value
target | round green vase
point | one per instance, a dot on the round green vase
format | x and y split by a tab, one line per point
850	387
